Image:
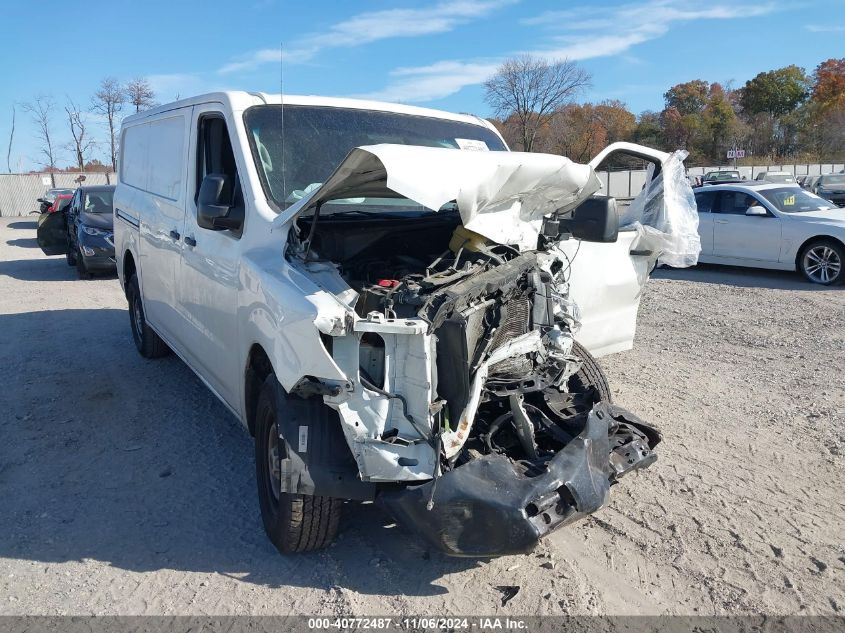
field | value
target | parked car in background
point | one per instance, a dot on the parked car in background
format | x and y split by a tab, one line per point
769	225
810	183
377	311
831	187
46	201
722	175
84	231
781	177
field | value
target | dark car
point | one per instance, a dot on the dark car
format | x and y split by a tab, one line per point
831	187
721	177
49	197
84	232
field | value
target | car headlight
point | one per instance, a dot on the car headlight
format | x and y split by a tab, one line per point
90	230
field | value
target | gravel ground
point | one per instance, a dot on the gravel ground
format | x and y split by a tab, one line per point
126	488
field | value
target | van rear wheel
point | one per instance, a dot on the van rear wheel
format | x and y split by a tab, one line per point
148	343
293	522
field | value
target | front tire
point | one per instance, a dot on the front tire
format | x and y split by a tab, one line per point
590	375
81	268
148	343
293	522
822	262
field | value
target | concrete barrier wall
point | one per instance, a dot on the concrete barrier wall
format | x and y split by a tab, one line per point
19	192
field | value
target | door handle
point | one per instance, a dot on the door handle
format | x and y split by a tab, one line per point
190	241
174	235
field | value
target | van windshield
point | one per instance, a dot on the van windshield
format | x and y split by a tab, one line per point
318	138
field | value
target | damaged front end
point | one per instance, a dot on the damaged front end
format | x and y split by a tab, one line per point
468	405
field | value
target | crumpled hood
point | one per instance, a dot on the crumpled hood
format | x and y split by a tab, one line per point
103	221
501	195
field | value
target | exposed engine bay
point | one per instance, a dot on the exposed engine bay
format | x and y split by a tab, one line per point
506	386
468	407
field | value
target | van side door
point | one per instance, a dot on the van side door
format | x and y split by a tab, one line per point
156	169
209	278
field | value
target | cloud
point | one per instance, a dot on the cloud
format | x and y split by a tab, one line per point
373	26
579	33
820	28
428	83
590	32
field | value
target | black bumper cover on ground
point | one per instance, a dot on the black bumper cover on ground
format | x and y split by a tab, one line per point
487	508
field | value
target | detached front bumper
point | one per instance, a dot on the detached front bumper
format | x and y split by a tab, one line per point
488	508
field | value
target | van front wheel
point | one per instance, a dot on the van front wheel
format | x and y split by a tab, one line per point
148	343
294	522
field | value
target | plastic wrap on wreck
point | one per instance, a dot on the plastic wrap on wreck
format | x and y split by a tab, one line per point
665	215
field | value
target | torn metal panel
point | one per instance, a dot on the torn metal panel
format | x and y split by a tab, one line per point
501	195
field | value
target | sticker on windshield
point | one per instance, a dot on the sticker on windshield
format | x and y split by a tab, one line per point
472	144
789	201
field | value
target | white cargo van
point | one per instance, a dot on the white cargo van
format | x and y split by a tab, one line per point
387	298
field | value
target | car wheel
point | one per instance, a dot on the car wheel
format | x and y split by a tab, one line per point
81	268
293	522
589	376
822	261
148	343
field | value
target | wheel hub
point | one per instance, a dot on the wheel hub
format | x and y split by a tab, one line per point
822	264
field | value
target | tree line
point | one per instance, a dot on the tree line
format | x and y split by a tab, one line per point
779	116
106	104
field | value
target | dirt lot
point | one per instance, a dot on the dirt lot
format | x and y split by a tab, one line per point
125	488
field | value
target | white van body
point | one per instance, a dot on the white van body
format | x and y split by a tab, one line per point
237	304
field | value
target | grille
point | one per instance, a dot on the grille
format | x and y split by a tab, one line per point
515	321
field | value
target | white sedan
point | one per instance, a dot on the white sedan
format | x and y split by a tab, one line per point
771	225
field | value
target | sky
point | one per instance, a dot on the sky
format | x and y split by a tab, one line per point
435	54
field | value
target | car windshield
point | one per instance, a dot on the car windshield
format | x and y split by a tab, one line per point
780	178
832	180
317	138
795	200
723	175
98	202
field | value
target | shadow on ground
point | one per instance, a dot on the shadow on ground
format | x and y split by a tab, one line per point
133	462
24	242
29	224
742	277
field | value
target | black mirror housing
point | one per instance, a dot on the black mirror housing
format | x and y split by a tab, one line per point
214	204
594	220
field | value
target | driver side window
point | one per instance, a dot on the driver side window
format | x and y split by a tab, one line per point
737	202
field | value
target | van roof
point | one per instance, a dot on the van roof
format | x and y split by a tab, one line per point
238	101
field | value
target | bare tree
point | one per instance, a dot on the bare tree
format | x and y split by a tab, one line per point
528	89
82	143
108	101
140	94
11	139
41	111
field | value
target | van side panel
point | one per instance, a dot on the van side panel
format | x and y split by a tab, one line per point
158	173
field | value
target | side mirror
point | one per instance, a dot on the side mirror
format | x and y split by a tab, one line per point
41	200
594	220
214	208
756	210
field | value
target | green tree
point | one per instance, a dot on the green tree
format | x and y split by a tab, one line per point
776	92
718	122
689	97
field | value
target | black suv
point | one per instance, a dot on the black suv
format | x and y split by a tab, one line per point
83	231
